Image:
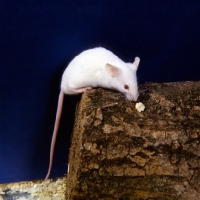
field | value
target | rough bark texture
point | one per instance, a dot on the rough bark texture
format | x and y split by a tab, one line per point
52	189
119	153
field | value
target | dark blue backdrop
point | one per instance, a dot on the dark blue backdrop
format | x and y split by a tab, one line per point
39	38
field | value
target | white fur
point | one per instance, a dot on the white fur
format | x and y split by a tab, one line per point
88	70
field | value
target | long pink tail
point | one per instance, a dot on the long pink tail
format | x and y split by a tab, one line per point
55	131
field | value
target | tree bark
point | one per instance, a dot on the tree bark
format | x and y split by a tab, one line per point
120	153
52	189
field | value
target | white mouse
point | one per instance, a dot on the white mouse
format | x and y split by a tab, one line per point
97	67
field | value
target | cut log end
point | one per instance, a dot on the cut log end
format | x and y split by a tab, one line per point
120	153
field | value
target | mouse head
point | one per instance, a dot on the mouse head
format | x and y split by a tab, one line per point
124	79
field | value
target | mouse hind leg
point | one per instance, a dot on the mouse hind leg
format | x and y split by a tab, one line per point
80	90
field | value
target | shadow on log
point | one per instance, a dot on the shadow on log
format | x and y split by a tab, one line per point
120	153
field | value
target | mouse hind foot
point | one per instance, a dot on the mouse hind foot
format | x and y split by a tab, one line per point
80	90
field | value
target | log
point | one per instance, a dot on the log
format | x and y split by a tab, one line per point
120	153
52	189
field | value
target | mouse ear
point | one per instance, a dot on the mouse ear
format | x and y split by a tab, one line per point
112	70
136	63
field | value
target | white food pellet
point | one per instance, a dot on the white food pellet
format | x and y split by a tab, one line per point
139	107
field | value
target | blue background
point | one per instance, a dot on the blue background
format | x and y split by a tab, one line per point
39	38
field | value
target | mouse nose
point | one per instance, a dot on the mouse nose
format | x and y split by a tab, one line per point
132	97
135	97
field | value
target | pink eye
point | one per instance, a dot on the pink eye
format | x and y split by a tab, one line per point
126	87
